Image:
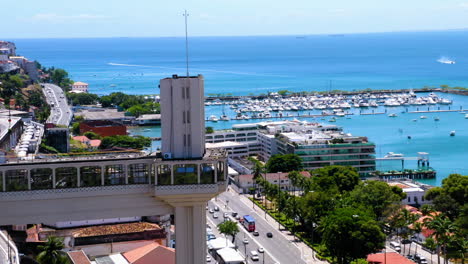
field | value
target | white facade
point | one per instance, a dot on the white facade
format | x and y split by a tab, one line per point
80	87
414	193
182	117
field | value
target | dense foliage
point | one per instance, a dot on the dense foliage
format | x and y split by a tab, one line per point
51	252
136	142
333	209
229	228
284	163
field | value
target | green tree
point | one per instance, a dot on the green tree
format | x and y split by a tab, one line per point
75	128
124	141
284	163
377	196
229	228
350	234
444	229
92	135
451	196
359	261
338	178
209	130
51	252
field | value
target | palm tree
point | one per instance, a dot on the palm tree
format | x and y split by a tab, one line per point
444	229
51	252
257	171
417	228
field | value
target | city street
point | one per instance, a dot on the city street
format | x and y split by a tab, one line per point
278	249
60	113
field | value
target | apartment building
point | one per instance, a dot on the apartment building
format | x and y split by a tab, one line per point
317	144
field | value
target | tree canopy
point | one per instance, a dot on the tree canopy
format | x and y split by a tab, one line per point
284	163
351	233
229	228
124	141
51	252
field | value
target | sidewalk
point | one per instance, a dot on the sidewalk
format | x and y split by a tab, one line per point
307	254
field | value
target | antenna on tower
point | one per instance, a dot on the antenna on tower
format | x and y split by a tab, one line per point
186	42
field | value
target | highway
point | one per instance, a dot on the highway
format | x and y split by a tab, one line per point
278	249
60	113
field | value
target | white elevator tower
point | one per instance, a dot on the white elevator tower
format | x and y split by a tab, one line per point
183	117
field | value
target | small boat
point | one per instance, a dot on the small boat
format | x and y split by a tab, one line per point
409	137
393	155
213	118
423	117
452	133
225	118
113	85
446	61
392	115
414	120
436	118
332	120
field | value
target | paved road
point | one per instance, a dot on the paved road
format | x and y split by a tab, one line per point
60	113
278	249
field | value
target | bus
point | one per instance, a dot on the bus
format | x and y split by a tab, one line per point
249	223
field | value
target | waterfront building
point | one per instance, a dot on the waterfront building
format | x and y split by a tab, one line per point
182	117
415	192
104	114
318	145
80	87
148	120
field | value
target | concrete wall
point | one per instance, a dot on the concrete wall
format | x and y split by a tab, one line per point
182	116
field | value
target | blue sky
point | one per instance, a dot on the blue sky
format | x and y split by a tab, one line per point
148	18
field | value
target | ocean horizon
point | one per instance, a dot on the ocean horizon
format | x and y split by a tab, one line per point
260	64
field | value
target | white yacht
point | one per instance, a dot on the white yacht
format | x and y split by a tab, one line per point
392	115
213	118
225	118
423	117
394	155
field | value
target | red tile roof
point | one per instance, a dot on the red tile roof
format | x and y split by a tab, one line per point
82	139
151	254
78	257
388	258
95	143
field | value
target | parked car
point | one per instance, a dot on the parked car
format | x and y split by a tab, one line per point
226	215
215	215
269	234
255	233
211	211
234	214
216	208
254	255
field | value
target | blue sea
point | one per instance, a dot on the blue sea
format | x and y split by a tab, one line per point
255	65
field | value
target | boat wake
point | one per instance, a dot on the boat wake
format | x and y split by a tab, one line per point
446	60
199	70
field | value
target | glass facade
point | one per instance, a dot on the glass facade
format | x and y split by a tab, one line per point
138	173
207	173
220	171
164	174
16	180
185	174
41	179
114	175
66	177
90	176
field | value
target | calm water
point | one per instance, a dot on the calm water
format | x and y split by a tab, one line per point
244	65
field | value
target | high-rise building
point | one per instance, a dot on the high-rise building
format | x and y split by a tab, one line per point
182	117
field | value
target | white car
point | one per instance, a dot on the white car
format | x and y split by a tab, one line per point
226	215
215	215
245	241
261	250
208	258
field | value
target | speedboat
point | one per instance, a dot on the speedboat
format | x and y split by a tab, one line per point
213	118
423	117
393	155
392	115
452	133
225	118
446	61
436	118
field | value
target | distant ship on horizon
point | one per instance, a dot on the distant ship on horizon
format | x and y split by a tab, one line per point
446	60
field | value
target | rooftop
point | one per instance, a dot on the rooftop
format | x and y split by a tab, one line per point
78	257
149	117
151	254
80	83
388	258
104	230
101	114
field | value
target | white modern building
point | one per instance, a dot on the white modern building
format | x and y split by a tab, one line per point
182	117
318	145
80	87
415	192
